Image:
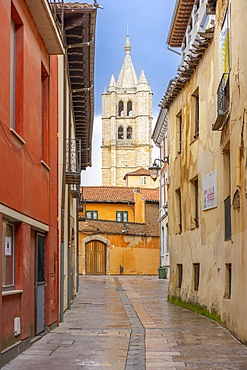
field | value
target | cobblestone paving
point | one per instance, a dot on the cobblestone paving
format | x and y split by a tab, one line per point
125	323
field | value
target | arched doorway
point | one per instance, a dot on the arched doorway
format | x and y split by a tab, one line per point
95	255
95	258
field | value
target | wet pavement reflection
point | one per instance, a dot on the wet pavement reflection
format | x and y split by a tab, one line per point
125	323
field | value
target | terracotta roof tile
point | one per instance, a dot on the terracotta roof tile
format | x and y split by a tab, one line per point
118	194
76	5
140	172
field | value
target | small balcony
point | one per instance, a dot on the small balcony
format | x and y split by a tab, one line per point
75	191
73	162
222	102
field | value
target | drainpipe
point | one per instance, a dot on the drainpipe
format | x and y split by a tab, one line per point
63	193
174	51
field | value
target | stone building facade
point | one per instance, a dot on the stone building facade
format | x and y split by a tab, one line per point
126	124
206	107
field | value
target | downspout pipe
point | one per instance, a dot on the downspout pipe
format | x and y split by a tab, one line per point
63	195
174	51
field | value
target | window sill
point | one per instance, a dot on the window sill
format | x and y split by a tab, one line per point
17	136
45	165
11	292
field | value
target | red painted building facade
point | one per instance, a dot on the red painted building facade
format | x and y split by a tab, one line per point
29	258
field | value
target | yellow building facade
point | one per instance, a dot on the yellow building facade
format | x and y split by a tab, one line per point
206	107
119	233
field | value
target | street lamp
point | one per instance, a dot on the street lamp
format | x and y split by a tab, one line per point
155	168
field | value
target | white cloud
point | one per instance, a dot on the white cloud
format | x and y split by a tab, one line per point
92	175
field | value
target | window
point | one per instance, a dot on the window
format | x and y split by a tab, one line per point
228	281
129	133
122	216
179	132
120	133
12	74
196	270
92	215
129	109
194	203
44	113
180	275
120	108
178	211
162	240
227	206
143	180
16	72
8	254
227	191
195	114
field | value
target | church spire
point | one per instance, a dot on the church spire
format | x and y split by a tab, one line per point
112	84
127	77
143	83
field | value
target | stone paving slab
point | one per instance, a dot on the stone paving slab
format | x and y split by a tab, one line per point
125	323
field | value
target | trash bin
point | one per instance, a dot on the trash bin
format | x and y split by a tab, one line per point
162	272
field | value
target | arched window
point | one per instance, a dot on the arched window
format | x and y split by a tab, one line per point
129	109
120	108
129	133
120	133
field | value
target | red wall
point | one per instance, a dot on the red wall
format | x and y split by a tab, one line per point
26	185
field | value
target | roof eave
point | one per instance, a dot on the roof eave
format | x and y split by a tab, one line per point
180	19
46	25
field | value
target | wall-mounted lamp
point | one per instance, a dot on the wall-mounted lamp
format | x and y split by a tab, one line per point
155	168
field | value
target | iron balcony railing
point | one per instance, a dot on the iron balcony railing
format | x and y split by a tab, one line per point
222	102
222	96
57	11
73	161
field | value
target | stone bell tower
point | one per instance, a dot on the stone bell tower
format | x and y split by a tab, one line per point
126	124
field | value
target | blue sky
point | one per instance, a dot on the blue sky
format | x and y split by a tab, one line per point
148	25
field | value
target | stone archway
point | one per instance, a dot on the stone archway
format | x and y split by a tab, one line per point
91	239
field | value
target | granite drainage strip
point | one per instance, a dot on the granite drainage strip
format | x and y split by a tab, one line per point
136	351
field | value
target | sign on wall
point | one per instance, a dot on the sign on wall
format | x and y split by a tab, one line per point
209	191
225	44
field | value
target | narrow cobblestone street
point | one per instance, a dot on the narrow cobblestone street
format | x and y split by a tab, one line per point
126	323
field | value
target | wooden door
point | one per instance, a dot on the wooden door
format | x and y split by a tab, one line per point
95	258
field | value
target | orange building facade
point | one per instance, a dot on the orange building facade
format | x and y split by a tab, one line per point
118	231
28	183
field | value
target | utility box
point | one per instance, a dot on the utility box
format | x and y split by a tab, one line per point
162	272
17	326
